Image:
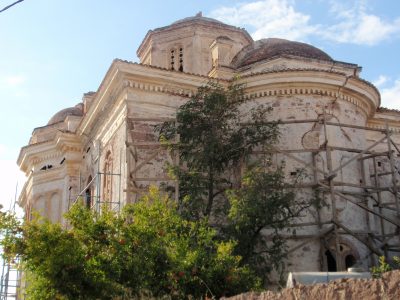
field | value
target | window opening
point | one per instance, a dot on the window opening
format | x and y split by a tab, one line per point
350	261
172	59
46	167
181	59
88	194
107	184
331	261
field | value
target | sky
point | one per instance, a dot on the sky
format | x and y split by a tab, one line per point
53	51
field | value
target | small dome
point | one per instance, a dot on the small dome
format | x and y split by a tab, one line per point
77	110
266	49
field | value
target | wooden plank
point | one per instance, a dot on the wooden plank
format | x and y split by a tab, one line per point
394	222
367	244
152	179
359	155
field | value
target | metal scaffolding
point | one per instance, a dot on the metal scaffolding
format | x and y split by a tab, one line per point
375	196
372	195
92	194
10	284
143	149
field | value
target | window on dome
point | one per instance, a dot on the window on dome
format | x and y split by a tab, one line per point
176	59
172	59
181	59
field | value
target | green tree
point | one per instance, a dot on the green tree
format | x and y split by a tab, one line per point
148	248
260	210
215	134
213	144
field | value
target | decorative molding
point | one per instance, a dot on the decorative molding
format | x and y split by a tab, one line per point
159	88
276	92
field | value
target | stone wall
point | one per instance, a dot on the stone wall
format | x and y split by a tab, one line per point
387	287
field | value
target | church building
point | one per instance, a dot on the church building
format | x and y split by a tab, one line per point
104	150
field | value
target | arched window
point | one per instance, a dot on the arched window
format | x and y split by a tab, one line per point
350	261
40	206
331	261
347	257
88	193
172	59
54	207
181	59
28	212
107	178
176	59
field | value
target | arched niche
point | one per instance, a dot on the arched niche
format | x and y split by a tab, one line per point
348	255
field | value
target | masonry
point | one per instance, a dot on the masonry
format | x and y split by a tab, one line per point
104	150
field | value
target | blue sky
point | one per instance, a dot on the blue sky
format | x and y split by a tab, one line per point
53	51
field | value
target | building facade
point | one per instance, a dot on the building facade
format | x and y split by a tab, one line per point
104	150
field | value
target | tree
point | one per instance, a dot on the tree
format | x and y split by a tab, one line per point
218	134
148	248
213	144
259	211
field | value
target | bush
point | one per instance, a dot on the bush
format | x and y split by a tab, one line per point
148	248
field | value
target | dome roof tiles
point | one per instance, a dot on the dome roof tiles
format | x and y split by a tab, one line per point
77	110
266	49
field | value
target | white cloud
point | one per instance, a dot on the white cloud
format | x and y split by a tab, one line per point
279	18
270	18
391	96
382	79
356	26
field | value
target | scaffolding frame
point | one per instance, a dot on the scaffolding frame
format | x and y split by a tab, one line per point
372	192
96	182
143	151
150	143
10	281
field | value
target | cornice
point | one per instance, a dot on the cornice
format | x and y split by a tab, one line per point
36	153
313	82
393	125
124	74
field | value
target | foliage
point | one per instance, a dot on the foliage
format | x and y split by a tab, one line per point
263	202
384	267
148	248
213	144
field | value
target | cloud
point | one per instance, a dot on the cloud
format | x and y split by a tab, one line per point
279	18
269	18
356	26
391	96
382	79
13	80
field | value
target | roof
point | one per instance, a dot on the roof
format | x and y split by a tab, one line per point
382	109
198	19
198	16
266	49
76	110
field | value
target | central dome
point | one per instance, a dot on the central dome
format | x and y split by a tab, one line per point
267	49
